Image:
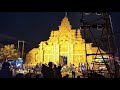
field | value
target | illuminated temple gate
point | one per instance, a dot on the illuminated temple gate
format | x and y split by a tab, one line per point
64	46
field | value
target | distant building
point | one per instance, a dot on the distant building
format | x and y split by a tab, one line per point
64	46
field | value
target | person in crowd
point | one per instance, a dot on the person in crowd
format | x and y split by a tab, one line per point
55	71
78	76
5	71
19	75
66	76
58	73
50	70
44	71
73	71
39	76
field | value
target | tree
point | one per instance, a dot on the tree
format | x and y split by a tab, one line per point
9	52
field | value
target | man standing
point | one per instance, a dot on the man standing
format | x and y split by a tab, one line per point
73	71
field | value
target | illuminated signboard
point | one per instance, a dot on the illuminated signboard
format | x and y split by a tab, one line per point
102	60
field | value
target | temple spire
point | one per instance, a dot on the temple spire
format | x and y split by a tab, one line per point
65	24
66	14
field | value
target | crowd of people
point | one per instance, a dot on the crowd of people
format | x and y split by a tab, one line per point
44	71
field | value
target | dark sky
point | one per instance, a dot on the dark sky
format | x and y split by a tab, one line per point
34	27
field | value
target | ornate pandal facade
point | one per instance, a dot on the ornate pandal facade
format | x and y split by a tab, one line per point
66	42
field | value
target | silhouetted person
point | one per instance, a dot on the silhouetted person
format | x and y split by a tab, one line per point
39	76
117	67
78	76
27	75
58	73
73	71
44	71
50	70
36	69
19	75
95	75
66	76
5	71
55	71
73	74
32	75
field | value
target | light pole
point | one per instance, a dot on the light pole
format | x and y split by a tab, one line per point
21	54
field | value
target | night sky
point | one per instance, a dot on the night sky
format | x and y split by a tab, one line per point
34	27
